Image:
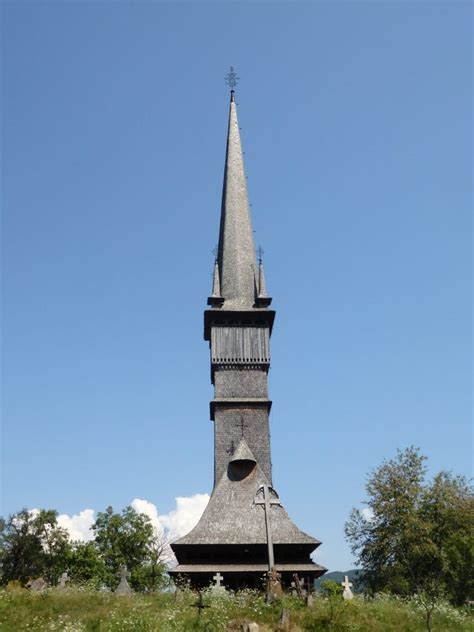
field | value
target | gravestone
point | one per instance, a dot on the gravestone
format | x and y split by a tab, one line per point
124	587
274	589
297	587
104	588
217	588
347	594
37	585
62	581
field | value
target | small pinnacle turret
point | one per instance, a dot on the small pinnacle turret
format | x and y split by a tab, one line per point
263	300
215	299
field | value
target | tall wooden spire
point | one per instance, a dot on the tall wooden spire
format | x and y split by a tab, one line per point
232	535
236	251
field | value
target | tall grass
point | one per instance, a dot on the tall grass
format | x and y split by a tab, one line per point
89	611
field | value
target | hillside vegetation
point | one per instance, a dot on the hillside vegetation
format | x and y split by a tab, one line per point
355	577
91	611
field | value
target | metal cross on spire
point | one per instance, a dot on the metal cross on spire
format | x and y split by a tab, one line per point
231	78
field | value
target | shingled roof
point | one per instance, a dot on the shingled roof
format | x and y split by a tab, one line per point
236	251
232	517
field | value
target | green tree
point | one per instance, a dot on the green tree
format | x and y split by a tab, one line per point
333	593
448	507
86	565
155	575
418	536
32	544
125	538
331	588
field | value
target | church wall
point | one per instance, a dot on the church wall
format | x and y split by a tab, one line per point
228	432
240	383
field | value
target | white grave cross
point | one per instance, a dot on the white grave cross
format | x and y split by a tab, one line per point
347	594
218	587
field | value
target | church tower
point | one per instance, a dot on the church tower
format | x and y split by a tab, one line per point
231	537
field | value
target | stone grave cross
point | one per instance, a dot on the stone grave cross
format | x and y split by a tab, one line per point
62	581
218	587
269	497
124	587
347	594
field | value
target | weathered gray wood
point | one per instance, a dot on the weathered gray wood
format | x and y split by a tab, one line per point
240	345
232	534
267	501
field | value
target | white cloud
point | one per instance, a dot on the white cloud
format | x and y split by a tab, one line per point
79	525
318	556
367	514
150	510
177	522
174	525
180	521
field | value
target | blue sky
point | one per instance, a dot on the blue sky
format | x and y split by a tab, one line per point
357	131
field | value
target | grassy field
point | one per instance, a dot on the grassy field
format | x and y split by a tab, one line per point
83	611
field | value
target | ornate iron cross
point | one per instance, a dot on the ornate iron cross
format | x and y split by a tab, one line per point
231	78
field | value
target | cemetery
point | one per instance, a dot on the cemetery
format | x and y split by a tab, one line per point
78	609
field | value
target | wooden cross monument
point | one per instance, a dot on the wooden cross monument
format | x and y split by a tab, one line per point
269	497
